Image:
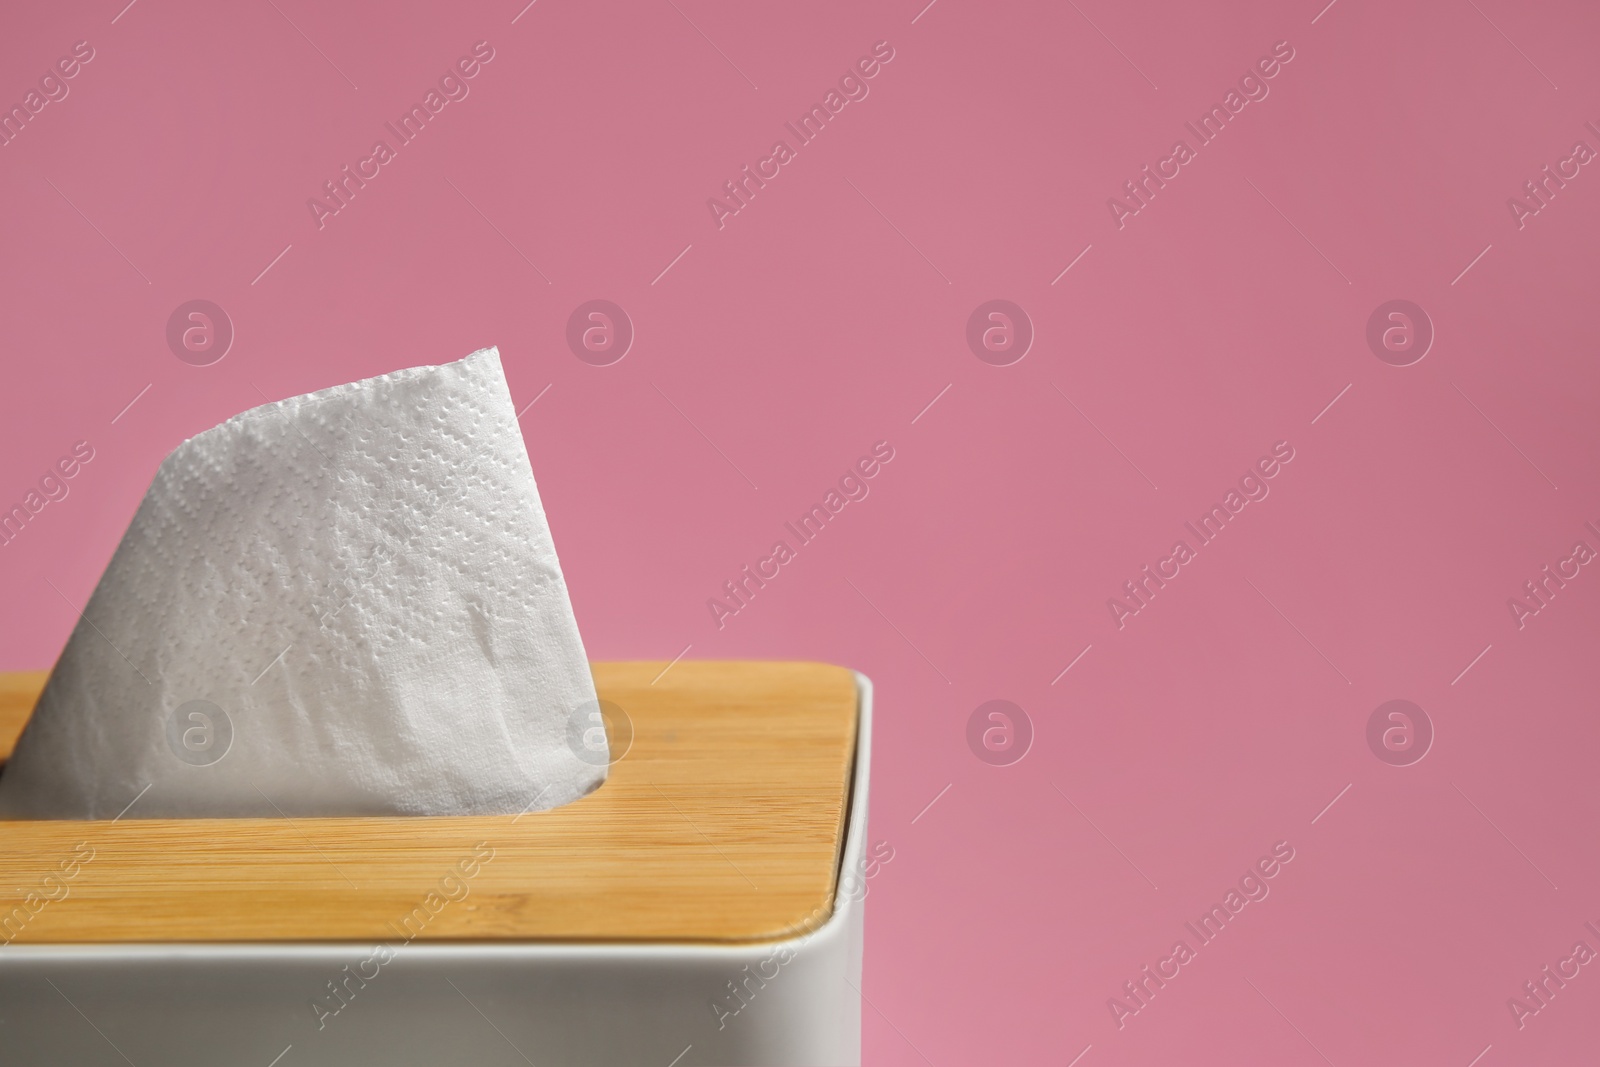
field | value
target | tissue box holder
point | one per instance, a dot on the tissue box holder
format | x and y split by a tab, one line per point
703	907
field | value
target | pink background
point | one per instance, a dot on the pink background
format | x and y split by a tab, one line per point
826	316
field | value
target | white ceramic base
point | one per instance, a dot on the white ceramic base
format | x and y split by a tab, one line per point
584	1005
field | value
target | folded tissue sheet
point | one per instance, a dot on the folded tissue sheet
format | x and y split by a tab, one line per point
344	603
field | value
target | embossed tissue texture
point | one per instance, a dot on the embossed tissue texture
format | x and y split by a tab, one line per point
360	588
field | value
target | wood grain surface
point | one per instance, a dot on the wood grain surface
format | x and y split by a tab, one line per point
18	691
723	823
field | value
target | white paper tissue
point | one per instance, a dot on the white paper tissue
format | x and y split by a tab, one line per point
344	603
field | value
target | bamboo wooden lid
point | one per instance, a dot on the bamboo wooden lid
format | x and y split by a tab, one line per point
723	823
